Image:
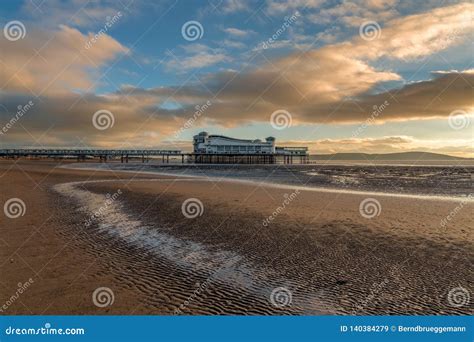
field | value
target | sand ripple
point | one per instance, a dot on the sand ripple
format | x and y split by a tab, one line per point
335	266
169	270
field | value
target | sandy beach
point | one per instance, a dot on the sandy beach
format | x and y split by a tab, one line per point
239	248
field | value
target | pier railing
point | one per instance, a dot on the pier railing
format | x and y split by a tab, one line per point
104	155
88	152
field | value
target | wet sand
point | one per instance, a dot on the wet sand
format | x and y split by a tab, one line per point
435	180
318	254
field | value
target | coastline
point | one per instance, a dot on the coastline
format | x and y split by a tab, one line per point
467	198
319	246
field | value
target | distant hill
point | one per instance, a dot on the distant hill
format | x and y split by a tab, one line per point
426	156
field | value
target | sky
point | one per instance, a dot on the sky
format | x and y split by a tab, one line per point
373	76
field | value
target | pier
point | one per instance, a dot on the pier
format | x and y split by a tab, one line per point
83	154
207	149
220	149
104	155
205	158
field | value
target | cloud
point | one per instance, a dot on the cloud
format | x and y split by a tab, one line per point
335	83
194	56
141	122
86	14
275	7
333	98
67	119
354	13
232	44
75	13
332	84
380	4
54	61
233	6
235	32
418	35
435	98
